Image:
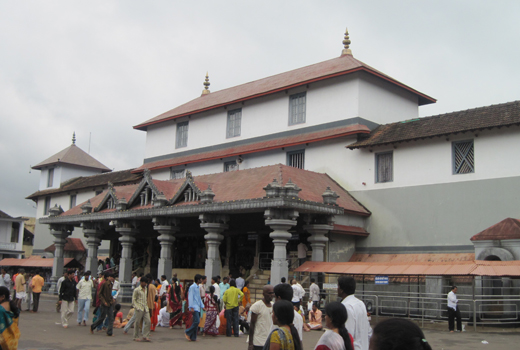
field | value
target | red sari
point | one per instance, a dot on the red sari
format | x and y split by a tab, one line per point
176	309
210	327
155	316
187	316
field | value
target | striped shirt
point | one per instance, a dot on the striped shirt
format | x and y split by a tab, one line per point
139	299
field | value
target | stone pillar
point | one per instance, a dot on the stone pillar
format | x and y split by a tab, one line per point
166	238
60	238
93	242
280	221
127	240
214	226
318	240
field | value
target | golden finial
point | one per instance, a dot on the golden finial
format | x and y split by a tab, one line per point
74	138
346	45
206	85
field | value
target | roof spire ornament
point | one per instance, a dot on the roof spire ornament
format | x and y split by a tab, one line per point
74	138
206	85
346	45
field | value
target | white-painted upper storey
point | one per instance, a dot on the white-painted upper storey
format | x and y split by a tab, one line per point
334	99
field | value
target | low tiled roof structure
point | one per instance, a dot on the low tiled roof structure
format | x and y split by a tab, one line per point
72	245
412	258
495	116
73	155
345	64
461	268
259	146
229	187
505	229
36	261
83	182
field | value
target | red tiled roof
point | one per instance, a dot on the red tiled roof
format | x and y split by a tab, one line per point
242	185
258	146
453	268
345	64
72	245
83	182
75	156
496	116
349	230
412	258
505	229
34	261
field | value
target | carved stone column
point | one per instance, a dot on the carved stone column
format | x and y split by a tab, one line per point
127	240
318	239
167	228
60	234
281	222
93	236
214	226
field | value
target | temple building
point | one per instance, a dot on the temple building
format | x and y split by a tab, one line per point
333	155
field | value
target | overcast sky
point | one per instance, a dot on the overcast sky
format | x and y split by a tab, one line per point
101	67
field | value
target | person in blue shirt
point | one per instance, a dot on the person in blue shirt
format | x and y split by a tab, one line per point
195	306
223	287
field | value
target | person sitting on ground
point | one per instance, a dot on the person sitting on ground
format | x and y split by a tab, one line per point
243	325
398	333
337	336
118	316
164	318
315	320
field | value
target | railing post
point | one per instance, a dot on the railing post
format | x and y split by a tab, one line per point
474	315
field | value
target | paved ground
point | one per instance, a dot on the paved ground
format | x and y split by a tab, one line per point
43	331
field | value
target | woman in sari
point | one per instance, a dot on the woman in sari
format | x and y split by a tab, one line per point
187	316
175	304
9	315
247	294
211	306
285	336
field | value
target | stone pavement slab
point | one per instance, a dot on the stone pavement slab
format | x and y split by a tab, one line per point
44	331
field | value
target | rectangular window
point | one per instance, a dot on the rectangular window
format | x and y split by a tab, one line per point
463	157
296	159
385	167
297	104
15	230
182	135
230	166
47	206
177	174
50	177
234	121
72	201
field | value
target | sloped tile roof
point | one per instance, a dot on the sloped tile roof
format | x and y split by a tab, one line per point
342	65
72	245
505	229
495	116
243	185
36	261
403	258
75	156
78	183
258	146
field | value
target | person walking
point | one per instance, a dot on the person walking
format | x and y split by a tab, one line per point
357	321
19	285
107	303
232	298
298	293
211	306
453	310
195	306
37	285
314	292
261	319
67	298
141	314
84	288
29	298
5	280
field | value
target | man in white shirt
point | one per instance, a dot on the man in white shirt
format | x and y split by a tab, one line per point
453	310
135	280
164	285
240	281
214	283
357	322
314	292
5	280
298	293
84	297
283	291
261	319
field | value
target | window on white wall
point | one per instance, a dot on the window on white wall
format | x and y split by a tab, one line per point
47	206
384	167
463	157
234	121
177	174
50	177
230	166
297	107
15	232
296	159
72	203
182	135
